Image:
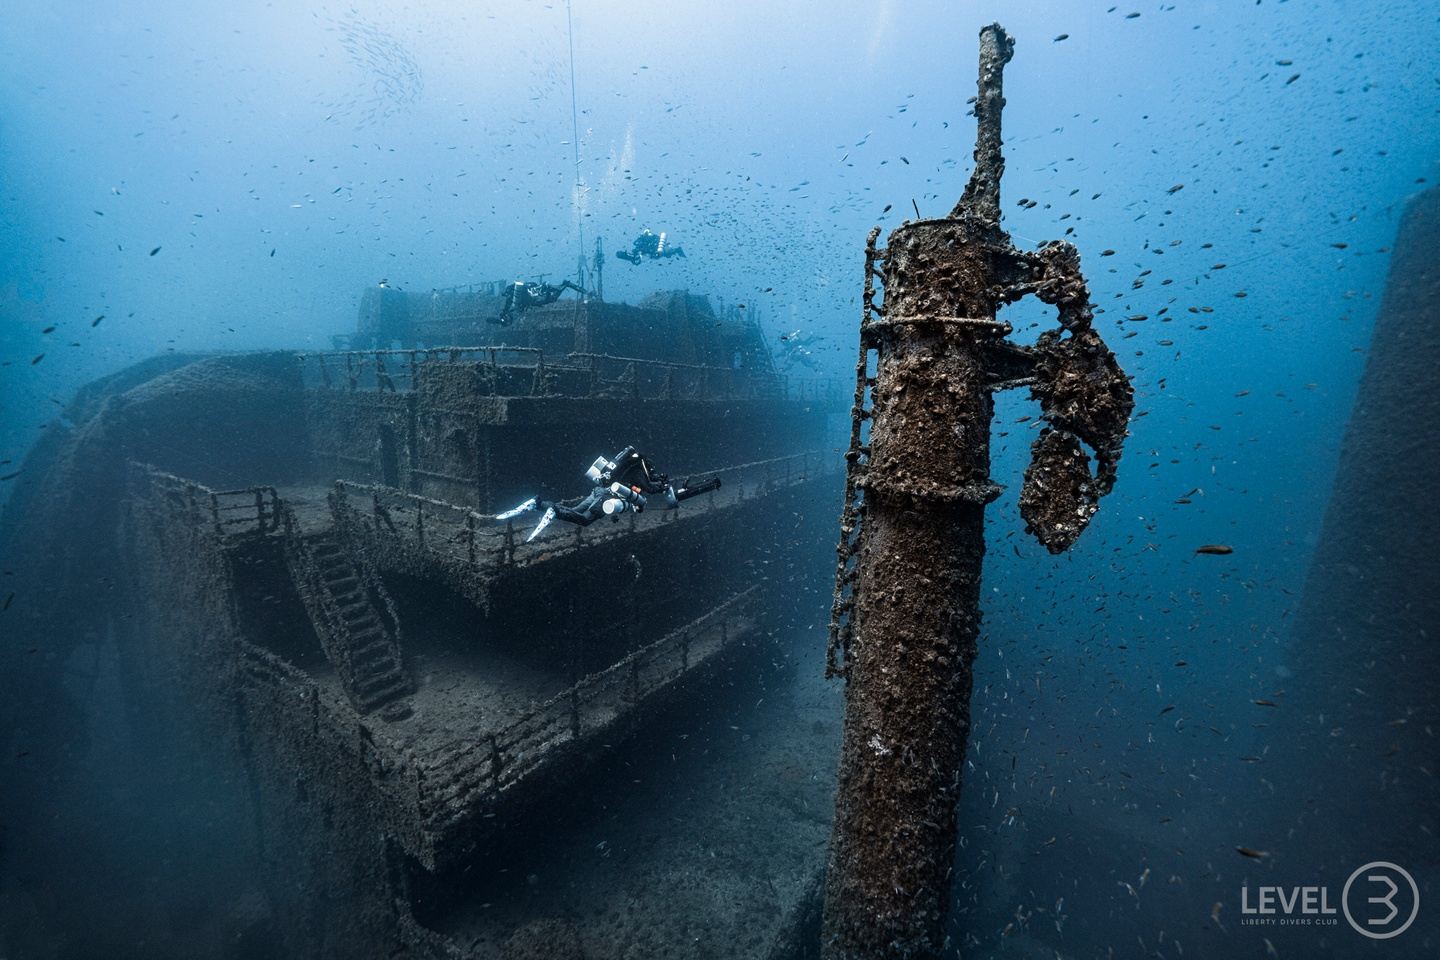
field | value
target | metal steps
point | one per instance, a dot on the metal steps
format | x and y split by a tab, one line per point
359	638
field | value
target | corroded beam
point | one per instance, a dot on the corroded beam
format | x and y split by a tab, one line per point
907	608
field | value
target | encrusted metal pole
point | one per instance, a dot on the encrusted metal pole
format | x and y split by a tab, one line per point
907	599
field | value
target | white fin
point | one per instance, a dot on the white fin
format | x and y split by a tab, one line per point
524	507
544	522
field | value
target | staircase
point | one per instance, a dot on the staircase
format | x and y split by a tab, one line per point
353	620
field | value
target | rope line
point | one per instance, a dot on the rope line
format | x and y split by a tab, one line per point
575	146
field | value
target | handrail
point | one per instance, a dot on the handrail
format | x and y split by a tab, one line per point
486	287
453	529
367	371
669	364
262	503
411	351
497	759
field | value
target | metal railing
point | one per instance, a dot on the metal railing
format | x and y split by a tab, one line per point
470	301
395	371
454	780
230	513
481	546
638	378
447	783
529	371
830	391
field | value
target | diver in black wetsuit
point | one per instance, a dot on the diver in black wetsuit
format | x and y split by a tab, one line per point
651	245
627	482
521	296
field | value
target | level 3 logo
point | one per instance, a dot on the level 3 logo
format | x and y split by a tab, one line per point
1380	900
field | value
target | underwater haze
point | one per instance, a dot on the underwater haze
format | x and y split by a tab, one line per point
1156	735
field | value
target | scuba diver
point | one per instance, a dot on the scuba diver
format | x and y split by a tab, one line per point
521	296
650	245
625	483
800	349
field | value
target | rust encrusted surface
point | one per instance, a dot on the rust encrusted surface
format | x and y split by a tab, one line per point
923	480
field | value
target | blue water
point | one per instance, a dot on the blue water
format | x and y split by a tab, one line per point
211	176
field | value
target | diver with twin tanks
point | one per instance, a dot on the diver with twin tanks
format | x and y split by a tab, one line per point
649	246
626	482
524	294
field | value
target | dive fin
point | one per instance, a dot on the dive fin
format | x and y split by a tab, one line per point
544	522
523	508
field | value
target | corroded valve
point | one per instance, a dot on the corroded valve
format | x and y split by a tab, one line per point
906	613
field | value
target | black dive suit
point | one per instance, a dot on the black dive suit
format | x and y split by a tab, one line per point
625	483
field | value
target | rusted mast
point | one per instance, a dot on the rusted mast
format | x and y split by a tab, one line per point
907	599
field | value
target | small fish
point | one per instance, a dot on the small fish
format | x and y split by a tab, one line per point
1176	189
1215	549
1107	253
1252	854
1262	702
48	330
96	321
272	251
155	251
1063	36
1293	78
37	359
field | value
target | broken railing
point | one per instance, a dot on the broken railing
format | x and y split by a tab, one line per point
454	780
482	546
230	513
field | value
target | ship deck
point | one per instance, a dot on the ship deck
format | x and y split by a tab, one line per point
458	697
448	526
701	840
